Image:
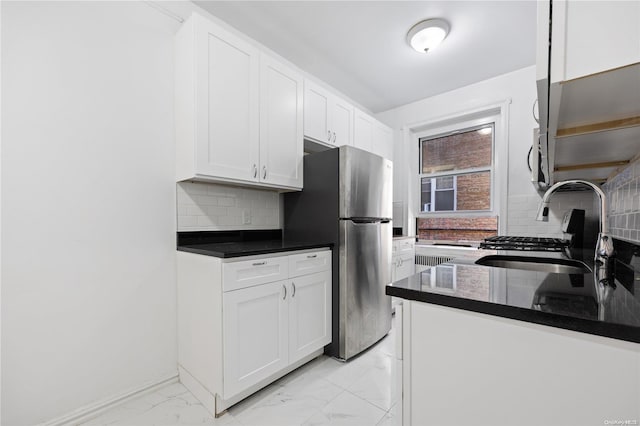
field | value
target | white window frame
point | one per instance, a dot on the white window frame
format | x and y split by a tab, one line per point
427	124
413	131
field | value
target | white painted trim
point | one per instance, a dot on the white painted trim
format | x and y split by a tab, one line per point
479	111
198	390
93	410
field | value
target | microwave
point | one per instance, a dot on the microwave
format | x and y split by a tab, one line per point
539	161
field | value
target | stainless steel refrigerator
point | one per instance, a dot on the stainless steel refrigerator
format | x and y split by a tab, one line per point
347	201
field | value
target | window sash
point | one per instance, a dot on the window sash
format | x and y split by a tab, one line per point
458	130
458	172
455	211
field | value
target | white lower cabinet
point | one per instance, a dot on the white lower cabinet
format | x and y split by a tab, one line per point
243	323
309	314
403	258
480	359
256	324
269	326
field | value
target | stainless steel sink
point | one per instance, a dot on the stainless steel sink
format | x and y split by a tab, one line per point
539	264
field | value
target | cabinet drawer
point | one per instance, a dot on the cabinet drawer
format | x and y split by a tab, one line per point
403	266
403	246
236	275
309	263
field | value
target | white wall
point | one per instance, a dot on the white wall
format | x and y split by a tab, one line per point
88	204
523	199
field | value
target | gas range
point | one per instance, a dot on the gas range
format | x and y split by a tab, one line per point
525	243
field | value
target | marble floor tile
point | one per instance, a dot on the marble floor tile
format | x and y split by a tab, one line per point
171	405
375	386
324	391
292	404
391	417
347	409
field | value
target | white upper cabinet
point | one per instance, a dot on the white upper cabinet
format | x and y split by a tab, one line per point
327	118
589	37
234	105
363	131
371	135
281	133
382	141
341	122
588	72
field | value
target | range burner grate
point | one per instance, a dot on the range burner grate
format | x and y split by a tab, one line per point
524	243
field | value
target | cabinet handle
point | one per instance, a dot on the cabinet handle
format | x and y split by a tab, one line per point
334	137
293	286
284	287
329	135
259	263
312	256
400	262
264	172
255	171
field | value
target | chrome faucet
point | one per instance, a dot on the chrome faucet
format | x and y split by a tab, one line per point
604	245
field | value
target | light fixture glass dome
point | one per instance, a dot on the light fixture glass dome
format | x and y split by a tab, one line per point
426	35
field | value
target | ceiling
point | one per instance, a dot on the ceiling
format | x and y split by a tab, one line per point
360	49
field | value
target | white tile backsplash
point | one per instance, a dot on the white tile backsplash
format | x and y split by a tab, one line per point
522	221
623	194
213	207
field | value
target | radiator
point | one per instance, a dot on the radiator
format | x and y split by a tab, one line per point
430	260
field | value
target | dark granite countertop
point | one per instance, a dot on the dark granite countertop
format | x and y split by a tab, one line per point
228	244
248	248
568	301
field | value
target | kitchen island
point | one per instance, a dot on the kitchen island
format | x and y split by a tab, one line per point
489	345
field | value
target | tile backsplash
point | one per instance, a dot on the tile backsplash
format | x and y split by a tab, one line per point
214	207
523	209
623	194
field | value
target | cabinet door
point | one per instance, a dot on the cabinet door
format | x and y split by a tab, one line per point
309	314
382	141
255	337
341	122
316	112
578	50
281	132
363	131
406	267
395	265
227	76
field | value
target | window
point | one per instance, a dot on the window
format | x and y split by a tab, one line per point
456	182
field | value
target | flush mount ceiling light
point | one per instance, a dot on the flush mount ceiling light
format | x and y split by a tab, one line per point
425	35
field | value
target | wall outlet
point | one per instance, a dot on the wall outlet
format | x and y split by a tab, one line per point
246	217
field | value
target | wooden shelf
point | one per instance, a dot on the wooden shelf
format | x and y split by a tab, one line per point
598	127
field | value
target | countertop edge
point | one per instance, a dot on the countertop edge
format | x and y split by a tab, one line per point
228	255
581	325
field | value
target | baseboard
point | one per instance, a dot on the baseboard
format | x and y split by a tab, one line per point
93	410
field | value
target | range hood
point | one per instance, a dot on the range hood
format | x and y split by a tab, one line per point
594	124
